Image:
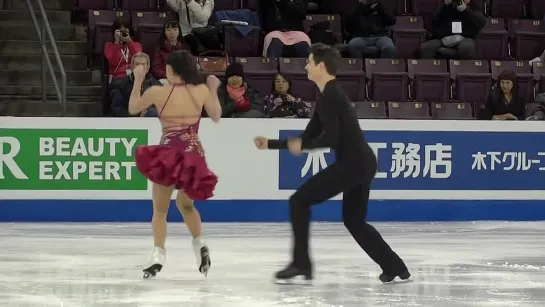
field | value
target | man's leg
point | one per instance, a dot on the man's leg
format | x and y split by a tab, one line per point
387	48
357	45
319	188
429	49
355	202
467	49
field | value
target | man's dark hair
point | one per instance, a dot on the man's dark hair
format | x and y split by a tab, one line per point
328	55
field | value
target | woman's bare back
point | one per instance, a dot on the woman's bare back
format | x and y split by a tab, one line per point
180	106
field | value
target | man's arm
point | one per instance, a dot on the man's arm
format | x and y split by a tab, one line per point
313	130
329	120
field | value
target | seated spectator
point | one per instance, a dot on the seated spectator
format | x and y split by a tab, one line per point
282	20
368	26
280	103
538	112
503	102
120	51
538	59
455	29
170	40
236	97
194	16
121	92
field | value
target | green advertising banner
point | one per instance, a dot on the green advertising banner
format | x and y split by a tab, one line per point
70	159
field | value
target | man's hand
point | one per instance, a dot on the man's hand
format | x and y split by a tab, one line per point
261	142
295	145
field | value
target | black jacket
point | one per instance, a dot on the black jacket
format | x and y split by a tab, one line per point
495	105
370	20
121	93
472	20
283	15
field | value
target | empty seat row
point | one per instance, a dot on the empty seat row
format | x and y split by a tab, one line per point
400	80
422	110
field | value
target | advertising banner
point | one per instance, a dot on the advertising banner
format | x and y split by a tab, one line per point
70	159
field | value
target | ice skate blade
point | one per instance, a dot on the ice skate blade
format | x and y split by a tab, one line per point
152	271
206	263
296	281
398	280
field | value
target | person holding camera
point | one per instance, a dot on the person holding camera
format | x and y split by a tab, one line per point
455	27
281	103
368	26
119	52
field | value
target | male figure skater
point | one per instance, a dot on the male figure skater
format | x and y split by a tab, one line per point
334	124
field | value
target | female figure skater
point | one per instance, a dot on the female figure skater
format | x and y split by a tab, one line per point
178	162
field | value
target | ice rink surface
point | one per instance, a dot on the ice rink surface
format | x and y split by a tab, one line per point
452	264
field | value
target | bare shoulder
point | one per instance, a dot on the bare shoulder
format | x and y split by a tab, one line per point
200	90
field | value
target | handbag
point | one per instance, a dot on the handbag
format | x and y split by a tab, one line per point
213	60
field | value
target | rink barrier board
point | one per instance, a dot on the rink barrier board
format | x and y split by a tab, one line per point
82	169
103	211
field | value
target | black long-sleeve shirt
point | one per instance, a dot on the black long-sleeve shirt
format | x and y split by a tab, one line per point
367	21
497	105
334	124
471	18
291	13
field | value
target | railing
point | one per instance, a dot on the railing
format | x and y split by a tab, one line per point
44	32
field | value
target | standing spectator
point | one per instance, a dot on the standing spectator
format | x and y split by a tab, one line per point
170	40
368	26
236	97
194	14
282	20
281	103
456	26
120	51
504	102
121	92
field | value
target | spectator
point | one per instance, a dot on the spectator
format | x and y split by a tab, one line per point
121	92
281	103
504	103
171	39
538	113
194	14
368	27
282	20
236	97
455	28
120	51
538	59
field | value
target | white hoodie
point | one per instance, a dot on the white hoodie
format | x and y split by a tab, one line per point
199	13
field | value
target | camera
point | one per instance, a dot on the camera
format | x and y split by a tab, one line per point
125	33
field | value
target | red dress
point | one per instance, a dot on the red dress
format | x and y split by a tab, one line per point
179	161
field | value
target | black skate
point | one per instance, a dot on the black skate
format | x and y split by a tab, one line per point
152	271
294	275
205	264
157	259
387	278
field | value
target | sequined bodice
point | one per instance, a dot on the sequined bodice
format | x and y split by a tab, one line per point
186	140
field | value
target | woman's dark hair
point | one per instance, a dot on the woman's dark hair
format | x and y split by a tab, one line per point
118	23
273	88
162	37
184	64
511	76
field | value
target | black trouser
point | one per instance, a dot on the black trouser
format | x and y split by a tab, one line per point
355	186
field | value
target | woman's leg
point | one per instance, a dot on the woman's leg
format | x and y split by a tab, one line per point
192	219
191	216
161	203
